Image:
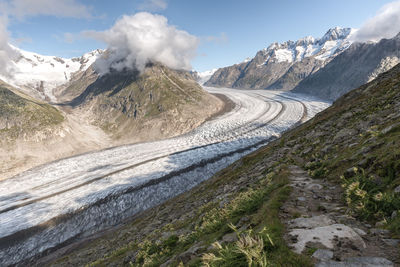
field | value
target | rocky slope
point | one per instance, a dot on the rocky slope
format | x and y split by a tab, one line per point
24	117
359	64
155	104
336	178
282	66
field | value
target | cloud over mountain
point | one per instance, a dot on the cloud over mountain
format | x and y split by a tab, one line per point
7	53
385	24
136	40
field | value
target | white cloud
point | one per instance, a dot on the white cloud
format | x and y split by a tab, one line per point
221	39
141	38
57	8
153	5
7	53
385	24
69	37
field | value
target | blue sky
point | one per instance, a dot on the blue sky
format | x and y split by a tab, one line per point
229	31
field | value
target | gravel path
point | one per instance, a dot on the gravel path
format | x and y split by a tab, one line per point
317	223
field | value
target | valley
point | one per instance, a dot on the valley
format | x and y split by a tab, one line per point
157	133
78	196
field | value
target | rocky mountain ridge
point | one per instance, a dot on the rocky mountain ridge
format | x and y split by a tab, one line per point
359	64
282	66
327	67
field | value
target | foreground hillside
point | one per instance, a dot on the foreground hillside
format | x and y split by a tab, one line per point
336	178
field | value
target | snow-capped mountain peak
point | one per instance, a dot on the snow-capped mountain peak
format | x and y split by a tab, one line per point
38	74
336	33
333	42
205	76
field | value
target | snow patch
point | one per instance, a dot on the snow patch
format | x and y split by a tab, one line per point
205	76
335	41
32	71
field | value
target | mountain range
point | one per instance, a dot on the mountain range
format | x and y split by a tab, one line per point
312	66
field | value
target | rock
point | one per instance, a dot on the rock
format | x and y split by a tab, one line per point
186	256
325	235
359	231
306	151
344	133
380	232
358	262
353	145
380	224
347	115
243	220
390	128
326	149
397	189
363	163
229	238
391	242
301	199
394	215
365	150
167	263
315	221
323	254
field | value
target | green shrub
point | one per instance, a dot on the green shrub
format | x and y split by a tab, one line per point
368	197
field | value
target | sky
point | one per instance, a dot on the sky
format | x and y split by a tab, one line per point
201	35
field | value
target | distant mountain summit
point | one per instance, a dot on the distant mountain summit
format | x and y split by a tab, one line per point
284	65
39	75
333	42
